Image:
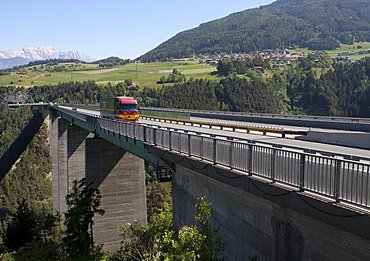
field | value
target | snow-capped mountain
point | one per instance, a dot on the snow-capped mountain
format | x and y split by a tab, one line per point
11	58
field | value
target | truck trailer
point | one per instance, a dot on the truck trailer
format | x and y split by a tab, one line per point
120	107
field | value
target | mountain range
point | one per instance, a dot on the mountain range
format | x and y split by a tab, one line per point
312	24
11	58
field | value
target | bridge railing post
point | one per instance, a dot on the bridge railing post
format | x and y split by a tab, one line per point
164	135
250	159
155	136
126	131
302	166
144	134
201	145
179	142
214	149
134	133
170	140
273	165
231	152
189	144
338	166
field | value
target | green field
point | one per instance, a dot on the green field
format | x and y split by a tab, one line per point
344	48
142	74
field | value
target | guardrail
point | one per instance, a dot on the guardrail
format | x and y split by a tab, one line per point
338	179
233	126
263	115
327	122
164	114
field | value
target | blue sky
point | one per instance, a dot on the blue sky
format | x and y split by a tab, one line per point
103	28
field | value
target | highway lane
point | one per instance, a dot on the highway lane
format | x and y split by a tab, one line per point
254	124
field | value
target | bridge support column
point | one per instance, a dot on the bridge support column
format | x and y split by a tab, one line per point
120	177
255	227
68	159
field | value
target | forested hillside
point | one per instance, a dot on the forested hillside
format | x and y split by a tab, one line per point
313	24
30	178
344	91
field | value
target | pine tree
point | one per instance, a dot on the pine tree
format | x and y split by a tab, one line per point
83	203
22	228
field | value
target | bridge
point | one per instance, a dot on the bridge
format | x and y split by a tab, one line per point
272	197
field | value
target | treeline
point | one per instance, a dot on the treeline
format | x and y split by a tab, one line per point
316	24
175	76
232	93
111	61
344	91
48	62
58	65
241	66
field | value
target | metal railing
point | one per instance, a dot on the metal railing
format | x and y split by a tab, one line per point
264	115
340	179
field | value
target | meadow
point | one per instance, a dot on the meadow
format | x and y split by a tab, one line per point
352	49
141	74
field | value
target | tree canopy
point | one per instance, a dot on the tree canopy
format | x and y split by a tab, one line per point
161	242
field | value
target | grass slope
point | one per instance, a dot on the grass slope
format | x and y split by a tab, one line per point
345	48
142	74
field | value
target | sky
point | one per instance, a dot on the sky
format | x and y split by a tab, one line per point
104	28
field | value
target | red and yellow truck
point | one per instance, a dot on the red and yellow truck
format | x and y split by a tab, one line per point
121	107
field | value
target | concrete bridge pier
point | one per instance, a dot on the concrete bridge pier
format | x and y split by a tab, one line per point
119	175
259	220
